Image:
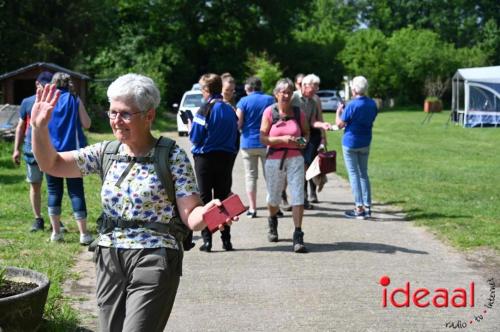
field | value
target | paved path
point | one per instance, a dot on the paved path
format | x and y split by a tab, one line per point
264	286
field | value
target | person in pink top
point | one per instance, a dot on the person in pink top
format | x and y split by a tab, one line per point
285	132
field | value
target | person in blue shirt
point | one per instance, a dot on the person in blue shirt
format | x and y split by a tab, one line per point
66	134
249	111
357	119
214	134
34	176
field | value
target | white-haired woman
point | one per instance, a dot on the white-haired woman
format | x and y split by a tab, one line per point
138	265
357	119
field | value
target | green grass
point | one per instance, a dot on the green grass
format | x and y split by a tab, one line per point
443	177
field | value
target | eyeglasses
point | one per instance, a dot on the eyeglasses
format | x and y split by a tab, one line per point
126	116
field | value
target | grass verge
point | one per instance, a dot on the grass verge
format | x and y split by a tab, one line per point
443	177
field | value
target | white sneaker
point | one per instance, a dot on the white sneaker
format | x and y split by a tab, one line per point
56	237
86	239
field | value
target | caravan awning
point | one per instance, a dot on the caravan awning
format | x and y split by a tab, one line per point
480	74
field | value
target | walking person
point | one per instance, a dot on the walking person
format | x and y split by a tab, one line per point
357	119
138	258
69	117
249	111
23	133
305	99
285	131
214	135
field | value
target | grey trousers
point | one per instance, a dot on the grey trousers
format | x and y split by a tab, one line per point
136	288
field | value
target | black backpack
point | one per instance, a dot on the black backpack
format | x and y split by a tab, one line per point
296	116
160	159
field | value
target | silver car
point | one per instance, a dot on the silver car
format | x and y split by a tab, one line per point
330	99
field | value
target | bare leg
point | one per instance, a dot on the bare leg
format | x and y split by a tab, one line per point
82	226
297	214
56	223
36	198
252	198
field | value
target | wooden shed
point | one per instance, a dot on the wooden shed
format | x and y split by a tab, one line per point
19	84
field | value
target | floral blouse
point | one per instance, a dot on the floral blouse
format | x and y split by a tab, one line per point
140	195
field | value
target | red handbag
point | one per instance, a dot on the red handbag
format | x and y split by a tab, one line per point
327	161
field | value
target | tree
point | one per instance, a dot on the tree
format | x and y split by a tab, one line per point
365	54
264	68
53	31
459	22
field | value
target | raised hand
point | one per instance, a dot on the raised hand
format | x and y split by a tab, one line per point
46	99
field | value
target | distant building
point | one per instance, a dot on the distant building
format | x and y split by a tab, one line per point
19	84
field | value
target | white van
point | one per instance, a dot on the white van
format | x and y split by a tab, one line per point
190	103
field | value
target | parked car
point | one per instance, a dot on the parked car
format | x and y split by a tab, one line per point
330	99
190	103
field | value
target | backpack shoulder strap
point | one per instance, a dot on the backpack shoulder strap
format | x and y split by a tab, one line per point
296	116
275	114
162	165
110	149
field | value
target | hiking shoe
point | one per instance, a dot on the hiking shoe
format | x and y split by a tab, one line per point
206	247
355	214
272	235
298	242
308	206
56	237
86	239
251	214
37	225
227	246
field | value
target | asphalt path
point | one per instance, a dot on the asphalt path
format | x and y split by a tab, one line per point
337	286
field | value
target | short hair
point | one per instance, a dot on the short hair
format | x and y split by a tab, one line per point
62	81
44	77
211	82
254	83
311	79
283	83
227	78
141	90
359	84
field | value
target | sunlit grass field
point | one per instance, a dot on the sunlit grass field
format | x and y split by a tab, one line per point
444	177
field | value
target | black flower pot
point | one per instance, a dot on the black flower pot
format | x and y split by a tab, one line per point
23	312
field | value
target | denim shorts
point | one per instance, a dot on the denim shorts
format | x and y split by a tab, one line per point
33	173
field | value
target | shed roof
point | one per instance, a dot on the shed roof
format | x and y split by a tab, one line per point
480	74
45	65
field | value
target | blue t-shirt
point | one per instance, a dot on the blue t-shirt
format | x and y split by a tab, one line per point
359	116
216	132
252	107
25	115
65	127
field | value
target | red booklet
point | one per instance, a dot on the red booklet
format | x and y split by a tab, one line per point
216	215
